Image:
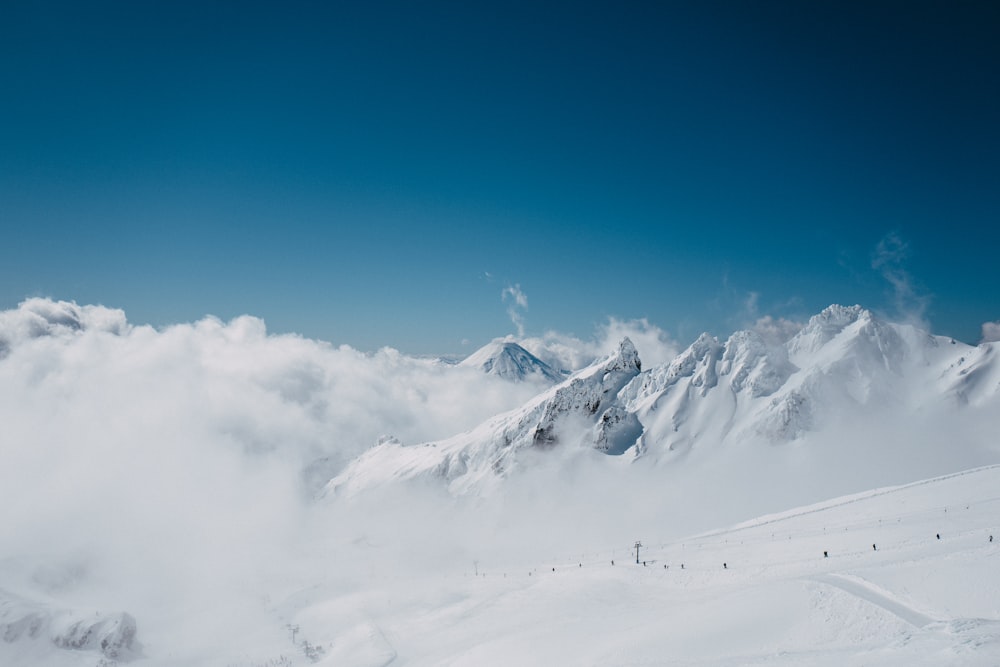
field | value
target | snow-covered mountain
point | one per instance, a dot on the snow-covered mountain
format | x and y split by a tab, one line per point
505	358
481	456
845	365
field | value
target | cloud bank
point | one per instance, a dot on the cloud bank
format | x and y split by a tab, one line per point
167	472
158	471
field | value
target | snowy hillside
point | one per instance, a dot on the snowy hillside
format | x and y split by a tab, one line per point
898	576
762	592
844	369
507	359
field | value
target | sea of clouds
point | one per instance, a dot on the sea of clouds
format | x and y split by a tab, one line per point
168	472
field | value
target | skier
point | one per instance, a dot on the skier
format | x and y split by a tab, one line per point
873	548
826	555
725	567
938	535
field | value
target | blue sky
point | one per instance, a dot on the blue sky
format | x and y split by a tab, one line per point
378	173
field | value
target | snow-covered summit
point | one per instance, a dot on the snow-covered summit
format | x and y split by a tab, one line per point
507	359
827	324
854	332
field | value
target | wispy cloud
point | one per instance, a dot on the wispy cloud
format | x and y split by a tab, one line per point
776	329
569	352
908	297
748	313
750	304
517	302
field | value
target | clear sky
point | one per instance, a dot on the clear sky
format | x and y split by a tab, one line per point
378	173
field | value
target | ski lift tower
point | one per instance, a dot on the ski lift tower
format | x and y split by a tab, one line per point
637	546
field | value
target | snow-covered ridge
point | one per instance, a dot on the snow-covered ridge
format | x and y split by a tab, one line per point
489	451
844	364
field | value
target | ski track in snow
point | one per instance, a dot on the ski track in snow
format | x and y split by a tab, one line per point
849	500
869	592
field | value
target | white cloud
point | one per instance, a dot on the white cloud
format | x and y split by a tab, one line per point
568	352
653	343
518	304
991	332
777	330
36	317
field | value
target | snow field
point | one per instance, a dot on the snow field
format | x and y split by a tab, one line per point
916	600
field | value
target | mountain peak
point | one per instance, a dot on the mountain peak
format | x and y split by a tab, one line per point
827	325
505	358
836	315
626	359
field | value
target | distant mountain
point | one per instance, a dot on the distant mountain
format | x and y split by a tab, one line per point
507	359
843	366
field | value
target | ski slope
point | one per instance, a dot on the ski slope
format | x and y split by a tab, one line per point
912	600
757	593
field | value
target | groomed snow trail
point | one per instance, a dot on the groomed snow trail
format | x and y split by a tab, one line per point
869	592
